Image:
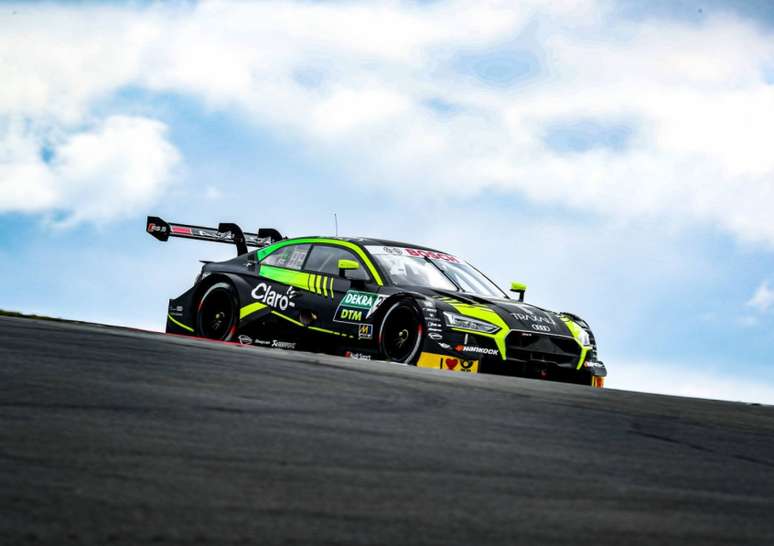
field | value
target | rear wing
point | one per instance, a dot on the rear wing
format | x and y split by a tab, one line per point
225	233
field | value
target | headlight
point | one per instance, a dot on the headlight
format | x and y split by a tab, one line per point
584	338
466	323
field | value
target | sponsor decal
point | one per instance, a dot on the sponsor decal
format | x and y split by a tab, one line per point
153	228
365	331
356	306
443	362
265	293
435	336
444	346
540	327
176	310
185	231
247	340
282	344
474	349
357	356
414	252
527	314
434	325
431	254
593	365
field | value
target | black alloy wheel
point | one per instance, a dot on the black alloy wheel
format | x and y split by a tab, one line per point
401	334
218	314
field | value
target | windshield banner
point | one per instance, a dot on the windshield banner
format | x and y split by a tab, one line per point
413	252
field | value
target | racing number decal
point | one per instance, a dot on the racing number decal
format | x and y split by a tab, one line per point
442	362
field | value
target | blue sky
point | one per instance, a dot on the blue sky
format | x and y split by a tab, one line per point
615	158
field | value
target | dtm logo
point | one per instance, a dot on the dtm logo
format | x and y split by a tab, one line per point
266	294
357	306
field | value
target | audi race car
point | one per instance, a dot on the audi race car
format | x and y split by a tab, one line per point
374	299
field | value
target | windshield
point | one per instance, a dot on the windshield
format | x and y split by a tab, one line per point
430	269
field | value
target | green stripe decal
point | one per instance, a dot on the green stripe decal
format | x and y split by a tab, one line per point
294	321
487	315
183	326
263	252
250	309
298	279
575	330
324	331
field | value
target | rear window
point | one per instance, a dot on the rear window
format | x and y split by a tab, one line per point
291	256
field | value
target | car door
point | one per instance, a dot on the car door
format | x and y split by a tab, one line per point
281	297
346	303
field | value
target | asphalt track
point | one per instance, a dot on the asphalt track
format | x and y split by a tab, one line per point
110	436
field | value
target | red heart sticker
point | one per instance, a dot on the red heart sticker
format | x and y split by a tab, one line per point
451	363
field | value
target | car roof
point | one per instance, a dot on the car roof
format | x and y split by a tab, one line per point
368	241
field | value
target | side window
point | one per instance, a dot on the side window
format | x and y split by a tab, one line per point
325	259
291	256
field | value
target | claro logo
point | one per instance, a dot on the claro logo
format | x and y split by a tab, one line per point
266	294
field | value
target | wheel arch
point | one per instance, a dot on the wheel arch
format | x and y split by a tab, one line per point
390	303
240	284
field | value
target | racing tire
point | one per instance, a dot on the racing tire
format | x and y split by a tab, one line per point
217	314
401	333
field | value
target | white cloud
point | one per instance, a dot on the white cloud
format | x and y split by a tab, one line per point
763	299
354	80
116	168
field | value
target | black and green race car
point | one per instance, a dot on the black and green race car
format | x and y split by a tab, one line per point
375	299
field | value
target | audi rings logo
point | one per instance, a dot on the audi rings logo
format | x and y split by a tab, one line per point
540	327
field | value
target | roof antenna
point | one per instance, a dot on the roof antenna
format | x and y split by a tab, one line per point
336	223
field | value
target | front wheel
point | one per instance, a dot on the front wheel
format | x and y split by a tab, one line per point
217	316
401	334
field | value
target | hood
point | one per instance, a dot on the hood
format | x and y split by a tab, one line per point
517	315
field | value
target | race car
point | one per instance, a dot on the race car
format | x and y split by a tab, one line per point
374	299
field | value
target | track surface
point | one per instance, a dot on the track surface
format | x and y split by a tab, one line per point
111	436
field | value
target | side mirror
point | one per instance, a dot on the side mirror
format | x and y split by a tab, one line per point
519	288
347	265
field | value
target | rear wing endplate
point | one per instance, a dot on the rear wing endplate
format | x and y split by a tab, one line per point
225	233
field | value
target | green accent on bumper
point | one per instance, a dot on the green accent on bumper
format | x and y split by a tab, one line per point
487	315
575	330
183	326
250	309
262	253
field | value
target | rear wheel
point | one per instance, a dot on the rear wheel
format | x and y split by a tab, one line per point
401	334
217	316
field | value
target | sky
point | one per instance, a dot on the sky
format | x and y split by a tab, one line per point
615	156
